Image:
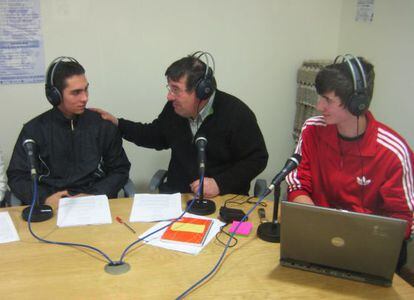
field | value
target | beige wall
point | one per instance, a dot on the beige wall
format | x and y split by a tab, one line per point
126	46
388	42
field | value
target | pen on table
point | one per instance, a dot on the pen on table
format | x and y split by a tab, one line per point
122	222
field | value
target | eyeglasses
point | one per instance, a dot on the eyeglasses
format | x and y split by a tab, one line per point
174	90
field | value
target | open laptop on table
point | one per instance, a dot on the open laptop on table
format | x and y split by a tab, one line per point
340	243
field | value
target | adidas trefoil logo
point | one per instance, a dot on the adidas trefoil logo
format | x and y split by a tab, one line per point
363	181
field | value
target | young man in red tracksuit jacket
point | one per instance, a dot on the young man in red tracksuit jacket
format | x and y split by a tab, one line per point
349	160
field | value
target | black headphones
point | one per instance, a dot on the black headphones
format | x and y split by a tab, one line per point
53	95
358	102
204	87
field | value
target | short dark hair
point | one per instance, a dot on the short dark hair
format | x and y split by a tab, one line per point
338	78
64	70
189	66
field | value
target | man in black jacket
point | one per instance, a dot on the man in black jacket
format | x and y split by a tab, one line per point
78	152
236	151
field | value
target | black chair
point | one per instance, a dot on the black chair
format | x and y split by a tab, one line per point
5	200
129	189
157	180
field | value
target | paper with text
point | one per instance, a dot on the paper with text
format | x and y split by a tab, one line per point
8	232
84	211
155	207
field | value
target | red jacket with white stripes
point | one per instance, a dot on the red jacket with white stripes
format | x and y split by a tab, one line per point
373	174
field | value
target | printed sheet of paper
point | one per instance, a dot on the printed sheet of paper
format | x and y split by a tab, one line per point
365	11
8	232
155	239
21	42
155	207
84	211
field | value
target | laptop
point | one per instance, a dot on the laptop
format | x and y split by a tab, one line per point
340	243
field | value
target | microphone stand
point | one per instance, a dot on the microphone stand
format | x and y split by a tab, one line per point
41	212
270	231
202	206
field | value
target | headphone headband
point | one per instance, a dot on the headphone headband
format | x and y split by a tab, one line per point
53	94
348	58
54	65
204	87
207	55
359	101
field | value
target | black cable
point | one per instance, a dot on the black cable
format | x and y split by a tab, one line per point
231	200
248	200
264	204
362	164
218	234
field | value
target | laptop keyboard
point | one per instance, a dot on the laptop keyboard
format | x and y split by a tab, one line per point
335	272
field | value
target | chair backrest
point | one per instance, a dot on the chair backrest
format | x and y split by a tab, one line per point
129	189
157	179
4	201
12	200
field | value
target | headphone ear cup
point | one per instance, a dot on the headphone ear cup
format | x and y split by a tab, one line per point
53	95
358	104
204	88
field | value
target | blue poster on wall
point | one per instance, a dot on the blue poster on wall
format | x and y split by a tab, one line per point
21	42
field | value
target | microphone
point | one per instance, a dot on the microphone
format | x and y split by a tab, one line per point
201	206
40	212
291	164
29	146
201	143
270	231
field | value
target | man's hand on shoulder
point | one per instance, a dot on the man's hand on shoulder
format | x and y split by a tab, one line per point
53	199
211	188
106	115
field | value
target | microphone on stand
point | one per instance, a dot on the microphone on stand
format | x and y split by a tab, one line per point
270	231
29	146
40	212
201	144
201	206
291	164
